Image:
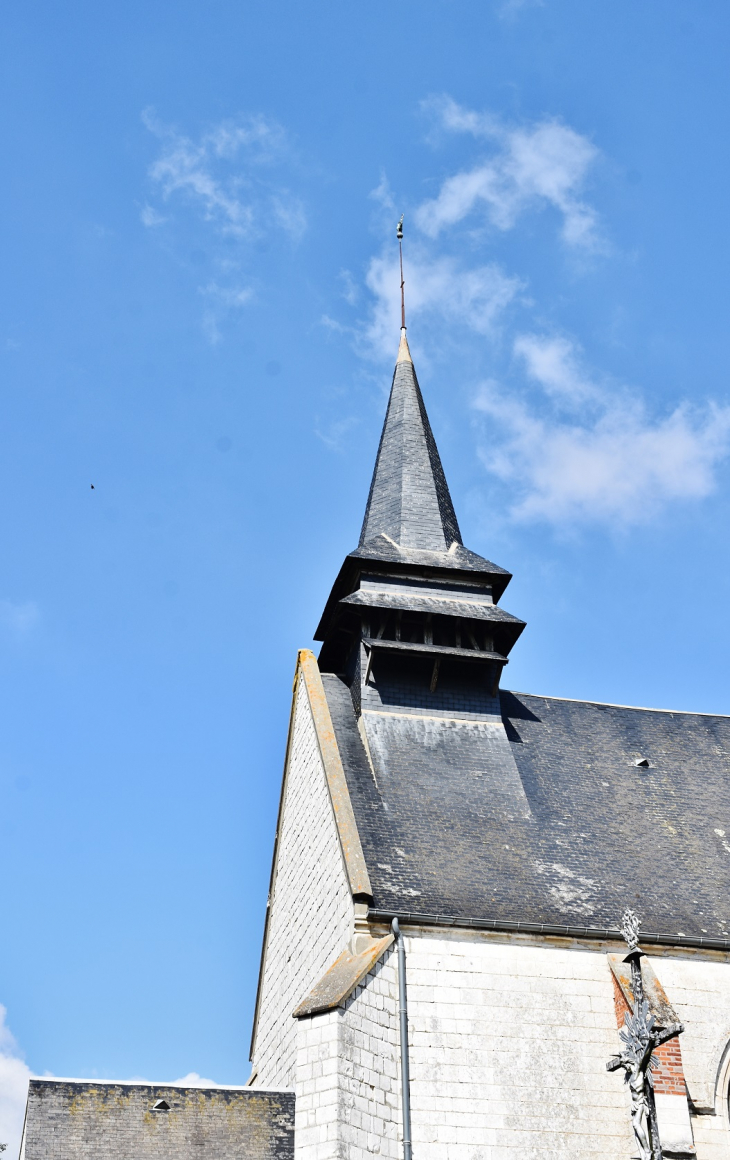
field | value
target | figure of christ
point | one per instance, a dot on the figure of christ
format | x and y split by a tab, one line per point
640	1036
638	1078
640	1114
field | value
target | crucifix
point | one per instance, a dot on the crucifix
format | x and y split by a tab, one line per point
640	1036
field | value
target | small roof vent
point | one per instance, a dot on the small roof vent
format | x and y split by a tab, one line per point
160	1106
642	762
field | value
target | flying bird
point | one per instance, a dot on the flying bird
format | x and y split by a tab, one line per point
92	487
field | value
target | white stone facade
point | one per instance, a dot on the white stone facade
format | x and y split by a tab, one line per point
509	1041
310	909
510	1038
700	992
348	1074
509	1050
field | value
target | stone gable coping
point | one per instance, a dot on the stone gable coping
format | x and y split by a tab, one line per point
341	979
352	851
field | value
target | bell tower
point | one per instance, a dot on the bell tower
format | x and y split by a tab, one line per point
413	619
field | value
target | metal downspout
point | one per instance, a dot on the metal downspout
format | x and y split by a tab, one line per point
405	1077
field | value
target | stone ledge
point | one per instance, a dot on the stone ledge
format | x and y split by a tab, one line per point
340	980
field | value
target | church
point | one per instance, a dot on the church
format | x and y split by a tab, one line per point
498	925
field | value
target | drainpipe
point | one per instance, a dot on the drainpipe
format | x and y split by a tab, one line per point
405	1080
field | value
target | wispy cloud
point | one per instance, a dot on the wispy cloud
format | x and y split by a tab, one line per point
220	173
383	194
20	617
334	434
578	452
350	288
552	361
574	447
289	213
225	188
150	217
221	302
529	166
441	290
14	1076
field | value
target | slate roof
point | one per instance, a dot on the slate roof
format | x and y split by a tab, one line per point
88	1120
540	814
389	558
409	498
457	558
429	602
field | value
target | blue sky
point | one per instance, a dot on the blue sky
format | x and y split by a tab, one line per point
199	316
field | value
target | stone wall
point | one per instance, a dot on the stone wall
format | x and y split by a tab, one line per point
348	1074
700	993
509	1039
311	910
509	1050
84	1120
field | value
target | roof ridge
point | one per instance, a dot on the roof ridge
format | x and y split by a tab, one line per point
614	704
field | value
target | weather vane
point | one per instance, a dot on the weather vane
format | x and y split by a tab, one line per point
399	235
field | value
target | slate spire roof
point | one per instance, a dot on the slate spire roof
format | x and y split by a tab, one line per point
409	499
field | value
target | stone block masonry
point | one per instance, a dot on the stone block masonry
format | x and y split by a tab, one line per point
311	910
508	1046
88	1120
699	989
509	1043
348	1081
509	1038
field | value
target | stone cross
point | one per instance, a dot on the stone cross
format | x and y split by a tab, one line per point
640	1037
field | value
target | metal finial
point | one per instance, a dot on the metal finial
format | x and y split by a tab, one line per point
399	235
630	924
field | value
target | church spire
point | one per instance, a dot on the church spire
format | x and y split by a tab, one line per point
409	501
410	593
